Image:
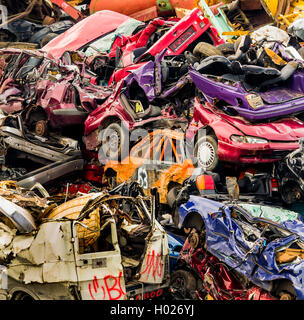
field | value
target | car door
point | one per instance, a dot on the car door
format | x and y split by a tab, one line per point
100	274
155	264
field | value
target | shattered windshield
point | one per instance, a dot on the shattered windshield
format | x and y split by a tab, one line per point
278	215
104	43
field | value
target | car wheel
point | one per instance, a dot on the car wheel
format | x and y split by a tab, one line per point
193	221
114	142
205	153
172	194
285	290
41	128
183	285
23	296
204	49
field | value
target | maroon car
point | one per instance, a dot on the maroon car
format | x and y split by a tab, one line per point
51	93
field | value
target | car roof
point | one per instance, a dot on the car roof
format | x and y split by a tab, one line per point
85	31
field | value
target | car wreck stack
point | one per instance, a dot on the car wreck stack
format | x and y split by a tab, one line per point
154	153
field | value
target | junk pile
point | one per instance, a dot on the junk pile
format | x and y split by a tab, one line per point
150	151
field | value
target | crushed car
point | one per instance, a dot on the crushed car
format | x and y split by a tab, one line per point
259	258
261	80
49	94
234	139
158	160
98	246
134	42
37	159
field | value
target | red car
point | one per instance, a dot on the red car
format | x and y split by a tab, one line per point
118	113
234	139
85	32
130	41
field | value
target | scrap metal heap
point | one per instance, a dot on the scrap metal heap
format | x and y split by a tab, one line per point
85	213
63	248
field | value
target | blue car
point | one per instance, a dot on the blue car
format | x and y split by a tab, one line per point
267	253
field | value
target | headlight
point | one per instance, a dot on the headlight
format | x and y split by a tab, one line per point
247	139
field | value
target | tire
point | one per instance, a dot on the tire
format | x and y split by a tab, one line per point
50	36
204	49
285	290
183	285
114	143
37	122
172	194
226	48
205	153
23	296
193	222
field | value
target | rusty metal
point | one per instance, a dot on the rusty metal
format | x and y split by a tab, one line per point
41	128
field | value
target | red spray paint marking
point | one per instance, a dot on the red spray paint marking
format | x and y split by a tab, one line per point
106	290
154	264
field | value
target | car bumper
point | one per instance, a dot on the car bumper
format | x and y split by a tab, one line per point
254	153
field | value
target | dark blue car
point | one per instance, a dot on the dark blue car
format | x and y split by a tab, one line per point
269	254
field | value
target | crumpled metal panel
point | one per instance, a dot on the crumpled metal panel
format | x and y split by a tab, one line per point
226	240
144	76
49	258
6	237
21	217
154	263
84	32
21	242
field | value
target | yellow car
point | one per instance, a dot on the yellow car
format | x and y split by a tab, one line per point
158	160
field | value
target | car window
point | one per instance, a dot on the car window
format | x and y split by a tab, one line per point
273	213
104	43
142	149
167	150
159	147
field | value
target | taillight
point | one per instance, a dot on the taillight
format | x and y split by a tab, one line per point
205	182
274	185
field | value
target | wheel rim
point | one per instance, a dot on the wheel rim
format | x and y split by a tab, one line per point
285	296
113	142
179	286
41	128
206	154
